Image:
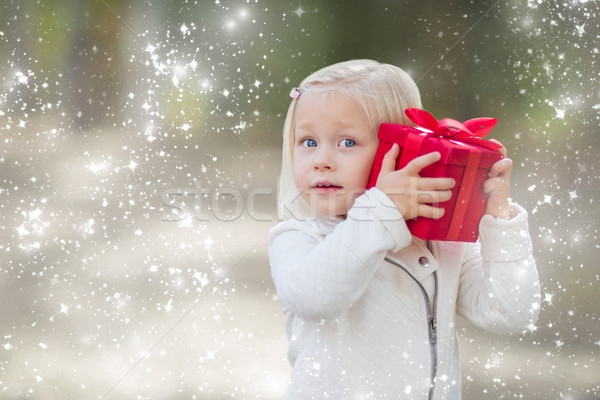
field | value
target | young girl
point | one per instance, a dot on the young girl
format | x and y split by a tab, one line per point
370	310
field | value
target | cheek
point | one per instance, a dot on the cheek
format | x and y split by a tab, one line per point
297	178
362	166
370	157
299	169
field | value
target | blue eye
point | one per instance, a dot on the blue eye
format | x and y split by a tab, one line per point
309	143
348	143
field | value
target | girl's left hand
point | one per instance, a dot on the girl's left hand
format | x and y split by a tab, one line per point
497	186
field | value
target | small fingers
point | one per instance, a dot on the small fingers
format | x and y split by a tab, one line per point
417	164
502	149
389	159
501	168
435	183
493	184
427	211
434	197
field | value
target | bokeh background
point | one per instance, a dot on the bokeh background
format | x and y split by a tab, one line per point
139	151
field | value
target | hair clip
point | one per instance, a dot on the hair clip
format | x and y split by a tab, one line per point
295	93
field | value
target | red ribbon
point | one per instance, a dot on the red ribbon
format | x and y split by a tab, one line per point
471	131
411	149
463	195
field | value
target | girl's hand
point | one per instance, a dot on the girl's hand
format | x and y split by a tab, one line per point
411	193
497	186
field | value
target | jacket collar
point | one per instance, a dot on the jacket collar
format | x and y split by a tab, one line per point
411	257
408	257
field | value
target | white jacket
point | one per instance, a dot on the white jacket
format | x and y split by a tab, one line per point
359	306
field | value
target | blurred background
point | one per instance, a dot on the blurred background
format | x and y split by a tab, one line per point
139	152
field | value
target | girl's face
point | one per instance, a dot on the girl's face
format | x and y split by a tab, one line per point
334	148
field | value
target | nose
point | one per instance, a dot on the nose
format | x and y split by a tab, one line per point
323	160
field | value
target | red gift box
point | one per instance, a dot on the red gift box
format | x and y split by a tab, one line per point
466	158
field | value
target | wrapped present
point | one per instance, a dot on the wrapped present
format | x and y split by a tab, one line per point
466	157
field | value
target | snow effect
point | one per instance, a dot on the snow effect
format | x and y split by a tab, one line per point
109	291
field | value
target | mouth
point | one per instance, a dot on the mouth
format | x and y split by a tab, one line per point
325	187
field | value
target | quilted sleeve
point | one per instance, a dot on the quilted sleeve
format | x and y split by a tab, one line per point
320	276
499	288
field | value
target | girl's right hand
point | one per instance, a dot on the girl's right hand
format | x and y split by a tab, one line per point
412	194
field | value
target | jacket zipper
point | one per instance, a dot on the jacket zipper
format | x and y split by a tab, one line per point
431	321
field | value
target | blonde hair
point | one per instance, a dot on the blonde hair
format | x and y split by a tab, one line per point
384	91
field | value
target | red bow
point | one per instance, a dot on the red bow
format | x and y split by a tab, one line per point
471	131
